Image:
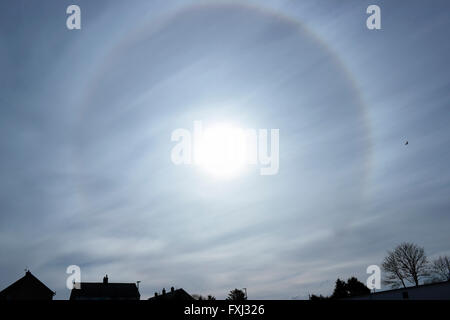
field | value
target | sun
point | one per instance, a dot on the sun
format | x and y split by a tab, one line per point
221	151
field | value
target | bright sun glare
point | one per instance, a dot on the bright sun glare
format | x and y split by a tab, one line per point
222	151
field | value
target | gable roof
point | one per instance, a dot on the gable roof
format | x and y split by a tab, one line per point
173	295
27	288
107	291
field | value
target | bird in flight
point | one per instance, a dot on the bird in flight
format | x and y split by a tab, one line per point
406	143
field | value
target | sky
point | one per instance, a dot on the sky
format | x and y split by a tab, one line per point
86	118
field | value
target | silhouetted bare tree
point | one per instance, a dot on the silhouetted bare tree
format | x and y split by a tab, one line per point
407	262
393	272
441	268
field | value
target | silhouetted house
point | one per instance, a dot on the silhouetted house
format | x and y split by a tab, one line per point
105	291
27	288
432	291
173	295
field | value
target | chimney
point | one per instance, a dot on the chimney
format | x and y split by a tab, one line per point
172	289
105	279
164	291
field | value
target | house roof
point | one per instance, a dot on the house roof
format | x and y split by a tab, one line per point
173	295
100	290
433	284
27	287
